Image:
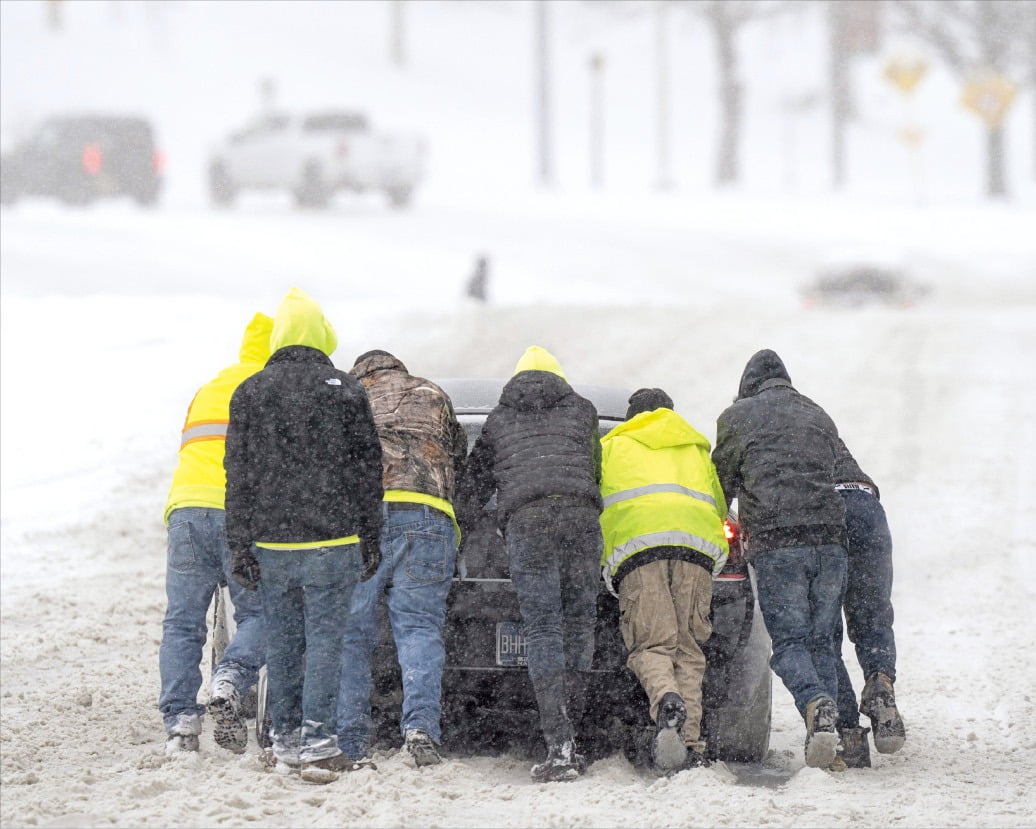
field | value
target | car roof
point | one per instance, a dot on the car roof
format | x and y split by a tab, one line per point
477	395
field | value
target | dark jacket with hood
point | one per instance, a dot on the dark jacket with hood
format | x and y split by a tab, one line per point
847	470
423	446
775	452
303	459
541	441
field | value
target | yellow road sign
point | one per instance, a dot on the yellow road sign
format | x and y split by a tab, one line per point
906	71
989	96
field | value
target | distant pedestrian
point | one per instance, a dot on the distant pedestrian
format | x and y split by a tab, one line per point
478	284
540	451
423	450
198	560
775	452
868	619
304	492
663	539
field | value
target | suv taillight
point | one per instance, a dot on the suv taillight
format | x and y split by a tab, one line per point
92	159
158	161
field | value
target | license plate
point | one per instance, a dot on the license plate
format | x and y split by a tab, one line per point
512	649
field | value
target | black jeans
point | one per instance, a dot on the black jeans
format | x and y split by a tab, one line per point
555	557
868	598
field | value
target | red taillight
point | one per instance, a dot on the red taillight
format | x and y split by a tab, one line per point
158	161
729	531
92	159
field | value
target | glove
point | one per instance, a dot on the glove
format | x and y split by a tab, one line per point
371	552
245	569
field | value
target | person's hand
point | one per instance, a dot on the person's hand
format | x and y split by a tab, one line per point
245	569
371	552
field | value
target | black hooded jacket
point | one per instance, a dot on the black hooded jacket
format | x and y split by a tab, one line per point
776	452
303	458
541	441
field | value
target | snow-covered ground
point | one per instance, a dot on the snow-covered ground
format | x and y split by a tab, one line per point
111	317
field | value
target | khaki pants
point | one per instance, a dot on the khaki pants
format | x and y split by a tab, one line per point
665	607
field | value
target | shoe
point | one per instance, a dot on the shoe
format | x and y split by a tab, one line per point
668	751
180	743
563	763
838	764
326	769
878	701
855	752
695	760
422	748
230	731
821	734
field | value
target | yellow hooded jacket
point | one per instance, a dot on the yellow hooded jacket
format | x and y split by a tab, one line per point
660	489
539	359
199	479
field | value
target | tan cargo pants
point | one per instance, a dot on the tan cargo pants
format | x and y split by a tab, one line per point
664	619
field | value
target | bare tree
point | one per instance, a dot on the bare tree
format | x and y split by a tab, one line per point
973	37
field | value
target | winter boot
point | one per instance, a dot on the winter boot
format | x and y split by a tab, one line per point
562	763
668	751
421	747
838	764
695	760
325	770
229	730
855	751
878	701
821	734
183	736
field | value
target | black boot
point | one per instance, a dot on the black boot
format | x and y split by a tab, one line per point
856	752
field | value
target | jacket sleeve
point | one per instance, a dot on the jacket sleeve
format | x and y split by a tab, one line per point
366	452
595	442
478	482
239	500
727	458
458	444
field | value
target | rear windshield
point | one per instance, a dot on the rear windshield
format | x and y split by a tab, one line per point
127	130
335	122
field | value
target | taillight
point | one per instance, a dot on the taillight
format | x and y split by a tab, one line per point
158	161
92	159
729	531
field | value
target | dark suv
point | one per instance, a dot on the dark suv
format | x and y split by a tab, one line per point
488	702
78	159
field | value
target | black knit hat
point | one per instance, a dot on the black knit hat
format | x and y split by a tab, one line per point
647	400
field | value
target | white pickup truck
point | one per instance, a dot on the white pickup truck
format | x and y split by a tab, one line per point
314	154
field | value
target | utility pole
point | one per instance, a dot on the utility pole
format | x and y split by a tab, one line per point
665	179
597	120
397	33
542	31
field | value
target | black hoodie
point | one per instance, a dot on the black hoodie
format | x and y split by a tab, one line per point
541	441
776	452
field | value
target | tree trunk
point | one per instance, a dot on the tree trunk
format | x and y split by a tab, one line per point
995	162
727	166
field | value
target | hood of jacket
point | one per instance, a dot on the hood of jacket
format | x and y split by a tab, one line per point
531	390
300	321
376	360
762	369
255	344
659	429
539	359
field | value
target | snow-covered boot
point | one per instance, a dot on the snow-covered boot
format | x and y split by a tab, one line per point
183	736
420	746
562	763
230	730
668	751
878	701
855	751
821	733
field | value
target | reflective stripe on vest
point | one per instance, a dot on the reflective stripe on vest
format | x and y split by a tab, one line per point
666	538
651	489
204	430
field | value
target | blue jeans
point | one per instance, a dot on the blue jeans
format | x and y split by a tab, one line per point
800	595
306	597
197	560
868	597
418	552
555	553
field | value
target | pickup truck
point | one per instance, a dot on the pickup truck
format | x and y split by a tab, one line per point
315	154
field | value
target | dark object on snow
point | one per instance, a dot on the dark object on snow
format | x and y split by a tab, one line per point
647	400
863	285
478	284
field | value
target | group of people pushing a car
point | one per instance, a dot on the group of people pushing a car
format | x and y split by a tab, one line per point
312	492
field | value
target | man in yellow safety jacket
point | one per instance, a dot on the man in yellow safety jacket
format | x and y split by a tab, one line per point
198	560
663	539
